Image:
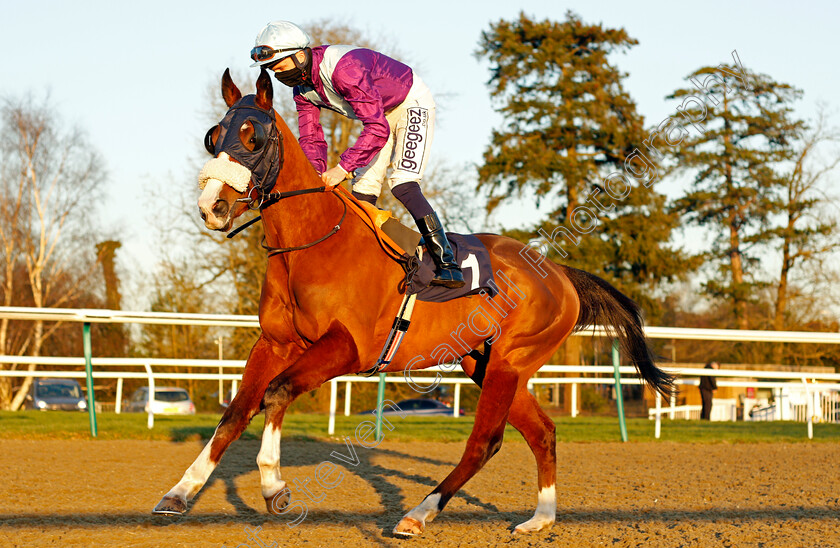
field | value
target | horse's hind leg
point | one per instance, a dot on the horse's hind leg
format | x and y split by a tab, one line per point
539	431
497	393
264	363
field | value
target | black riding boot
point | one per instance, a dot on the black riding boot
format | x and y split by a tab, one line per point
447	271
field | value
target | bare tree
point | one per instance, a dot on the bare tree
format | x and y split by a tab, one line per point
48	179
451	191
806	235
176	289
805	232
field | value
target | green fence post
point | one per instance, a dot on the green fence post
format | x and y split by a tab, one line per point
380	397
91	400
619	397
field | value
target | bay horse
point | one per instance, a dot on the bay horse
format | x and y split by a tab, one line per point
328	302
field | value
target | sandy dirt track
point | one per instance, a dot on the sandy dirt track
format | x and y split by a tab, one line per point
99	493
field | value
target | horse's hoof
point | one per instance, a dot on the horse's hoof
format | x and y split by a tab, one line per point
532	526
408	527
170	505
275	504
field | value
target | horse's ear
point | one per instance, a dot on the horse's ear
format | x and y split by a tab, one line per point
230	92
265	92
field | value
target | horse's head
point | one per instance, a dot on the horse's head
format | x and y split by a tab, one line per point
247	155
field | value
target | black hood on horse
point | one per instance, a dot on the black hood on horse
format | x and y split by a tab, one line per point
262	154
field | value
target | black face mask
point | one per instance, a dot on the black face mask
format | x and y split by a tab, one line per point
299	75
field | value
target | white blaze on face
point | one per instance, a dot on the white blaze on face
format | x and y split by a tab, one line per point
209	197
216	173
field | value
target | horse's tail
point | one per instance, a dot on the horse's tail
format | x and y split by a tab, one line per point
602	304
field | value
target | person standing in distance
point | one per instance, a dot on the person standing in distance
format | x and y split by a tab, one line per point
397	112
708	385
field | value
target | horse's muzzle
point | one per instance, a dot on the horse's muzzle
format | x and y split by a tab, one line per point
218	216
221	208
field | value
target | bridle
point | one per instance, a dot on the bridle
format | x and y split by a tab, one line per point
259	198
274	197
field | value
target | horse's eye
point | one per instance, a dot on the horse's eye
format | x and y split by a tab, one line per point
253	135
210	139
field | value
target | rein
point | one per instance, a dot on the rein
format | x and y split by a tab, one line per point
272	251
274	197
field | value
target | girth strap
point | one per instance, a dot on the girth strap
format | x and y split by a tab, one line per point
395	337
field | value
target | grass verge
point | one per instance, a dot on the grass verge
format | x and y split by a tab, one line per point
69	425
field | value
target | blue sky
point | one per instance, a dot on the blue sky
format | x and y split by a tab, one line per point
134	75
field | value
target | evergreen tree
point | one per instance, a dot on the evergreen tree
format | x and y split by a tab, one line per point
738	132
571	135
567	116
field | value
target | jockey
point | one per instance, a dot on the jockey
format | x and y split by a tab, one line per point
397	112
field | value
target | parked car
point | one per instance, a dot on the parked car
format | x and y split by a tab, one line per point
168	400
417	407
55	394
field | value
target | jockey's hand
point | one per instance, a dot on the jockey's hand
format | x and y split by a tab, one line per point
334	176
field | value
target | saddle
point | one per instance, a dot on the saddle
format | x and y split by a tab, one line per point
394	237
405	246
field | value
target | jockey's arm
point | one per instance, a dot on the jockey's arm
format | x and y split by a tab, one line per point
311	133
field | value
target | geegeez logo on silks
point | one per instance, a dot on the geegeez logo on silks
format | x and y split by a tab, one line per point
414	143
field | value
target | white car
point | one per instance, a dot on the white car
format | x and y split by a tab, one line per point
168	400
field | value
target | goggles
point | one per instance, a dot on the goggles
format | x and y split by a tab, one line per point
264	53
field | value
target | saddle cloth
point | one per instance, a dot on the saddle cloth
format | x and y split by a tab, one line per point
474	260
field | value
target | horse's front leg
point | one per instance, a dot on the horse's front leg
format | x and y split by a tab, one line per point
331	356
264	363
